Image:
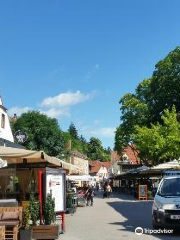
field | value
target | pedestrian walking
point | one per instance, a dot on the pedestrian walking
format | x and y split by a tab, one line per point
90	196
97	186
108	190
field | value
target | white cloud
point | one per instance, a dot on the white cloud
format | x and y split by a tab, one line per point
65	99
57	113
18	110
58	106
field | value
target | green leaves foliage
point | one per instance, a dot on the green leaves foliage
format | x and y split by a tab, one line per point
49	210
145	112
73	131
160	142
43	133
26	217
34	209
96	151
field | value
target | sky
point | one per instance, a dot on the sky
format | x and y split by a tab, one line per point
74	59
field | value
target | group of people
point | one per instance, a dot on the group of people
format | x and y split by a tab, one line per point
89	192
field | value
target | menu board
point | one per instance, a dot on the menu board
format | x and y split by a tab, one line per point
143	191
55	184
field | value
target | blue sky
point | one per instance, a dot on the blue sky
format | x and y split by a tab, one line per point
74	59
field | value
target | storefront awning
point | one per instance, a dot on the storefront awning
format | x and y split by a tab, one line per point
83	178
20	156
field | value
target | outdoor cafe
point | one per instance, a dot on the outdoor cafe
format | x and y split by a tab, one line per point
25	172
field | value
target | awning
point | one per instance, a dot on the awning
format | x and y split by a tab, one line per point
82	178
19	156
168	165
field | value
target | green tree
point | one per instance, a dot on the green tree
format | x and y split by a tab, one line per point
95	149
73	131
160	142
43	133
134	111
152	96
165	85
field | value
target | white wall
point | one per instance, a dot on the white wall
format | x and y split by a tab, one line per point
5	132
103	173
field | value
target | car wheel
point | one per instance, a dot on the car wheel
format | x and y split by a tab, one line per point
154	224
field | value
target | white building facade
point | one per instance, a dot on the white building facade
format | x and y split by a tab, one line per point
5	129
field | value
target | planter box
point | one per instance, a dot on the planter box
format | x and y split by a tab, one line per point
45	232
25	234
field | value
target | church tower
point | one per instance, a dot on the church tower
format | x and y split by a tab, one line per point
5	128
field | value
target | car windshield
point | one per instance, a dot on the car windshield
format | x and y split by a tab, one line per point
170	187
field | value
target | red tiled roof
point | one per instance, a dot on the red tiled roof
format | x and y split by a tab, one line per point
132	155
106	164
95	166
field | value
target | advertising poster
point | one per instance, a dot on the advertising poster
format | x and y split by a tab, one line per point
55	184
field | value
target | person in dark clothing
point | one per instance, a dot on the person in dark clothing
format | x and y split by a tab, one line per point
90	196
97	187
105	190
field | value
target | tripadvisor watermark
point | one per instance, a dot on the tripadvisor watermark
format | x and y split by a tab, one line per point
140	231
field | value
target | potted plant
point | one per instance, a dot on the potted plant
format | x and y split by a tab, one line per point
34	209
49	230
150	195
49	210
26	231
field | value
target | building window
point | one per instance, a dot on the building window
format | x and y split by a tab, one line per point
3	121
125	158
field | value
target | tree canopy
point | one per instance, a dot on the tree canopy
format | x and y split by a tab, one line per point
96	151
145	107
73	131
160	141
43	133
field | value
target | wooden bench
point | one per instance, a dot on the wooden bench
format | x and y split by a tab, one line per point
11	218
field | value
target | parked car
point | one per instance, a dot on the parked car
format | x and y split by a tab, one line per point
166	206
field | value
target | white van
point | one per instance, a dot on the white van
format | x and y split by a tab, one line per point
166	206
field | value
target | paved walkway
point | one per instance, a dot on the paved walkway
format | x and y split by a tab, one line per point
111	219
95	223
92	222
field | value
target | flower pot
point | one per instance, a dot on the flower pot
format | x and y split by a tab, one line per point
25	234
45	232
